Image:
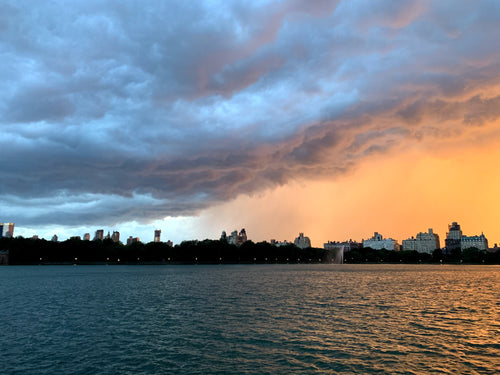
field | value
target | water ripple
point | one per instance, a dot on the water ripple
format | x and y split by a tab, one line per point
267	319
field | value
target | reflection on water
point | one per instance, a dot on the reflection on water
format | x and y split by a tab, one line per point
250	319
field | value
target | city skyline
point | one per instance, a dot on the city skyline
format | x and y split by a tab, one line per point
332	118
421	242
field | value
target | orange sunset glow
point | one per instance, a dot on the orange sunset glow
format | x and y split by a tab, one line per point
336	119
416	187
250	187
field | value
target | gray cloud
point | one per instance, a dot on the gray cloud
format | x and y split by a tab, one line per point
135	110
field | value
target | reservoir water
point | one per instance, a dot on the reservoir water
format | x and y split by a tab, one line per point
250	319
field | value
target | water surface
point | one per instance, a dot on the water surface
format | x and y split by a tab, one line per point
251	319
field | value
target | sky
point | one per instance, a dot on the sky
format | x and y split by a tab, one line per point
332	118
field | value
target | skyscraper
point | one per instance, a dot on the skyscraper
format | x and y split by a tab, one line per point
99	234
235	238
6	230
132	240
157	235
453	238
116	236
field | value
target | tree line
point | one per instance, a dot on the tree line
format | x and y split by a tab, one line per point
71	251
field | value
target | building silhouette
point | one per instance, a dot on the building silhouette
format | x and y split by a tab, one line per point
478	242
99	234
157	235
453	238
378	242
132	240
7	230
302	242
235	238
280	243
116	236
424	243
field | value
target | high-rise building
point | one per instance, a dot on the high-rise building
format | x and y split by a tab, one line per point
453	238
157	235
54	238
424	243
116	236
86	237
6	230
478	242
10	232
235	238
99	234
132	240
378	242
242	237
302	242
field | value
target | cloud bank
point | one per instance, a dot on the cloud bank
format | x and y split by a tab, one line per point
137	110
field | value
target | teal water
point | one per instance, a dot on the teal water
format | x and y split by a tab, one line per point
250	319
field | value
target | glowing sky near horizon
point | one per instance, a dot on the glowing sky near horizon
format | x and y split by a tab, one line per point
332	118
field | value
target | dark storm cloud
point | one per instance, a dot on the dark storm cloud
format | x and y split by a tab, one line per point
136	110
